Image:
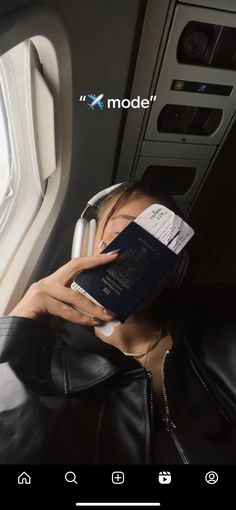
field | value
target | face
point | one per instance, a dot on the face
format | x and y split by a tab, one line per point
127	212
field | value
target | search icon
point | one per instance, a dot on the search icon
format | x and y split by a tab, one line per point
70	477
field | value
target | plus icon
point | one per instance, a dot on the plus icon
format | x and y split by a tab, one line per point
117	477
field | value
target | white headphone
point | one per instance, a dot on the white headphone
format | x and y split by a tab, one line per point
85	230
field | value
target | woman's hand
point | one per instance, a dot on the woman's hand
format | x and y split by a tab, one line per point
52	296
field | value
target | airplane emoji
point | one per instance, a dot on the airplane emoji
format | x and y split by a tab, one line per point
96	100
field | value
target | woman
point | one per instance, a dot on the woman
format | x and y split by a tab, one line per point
158	390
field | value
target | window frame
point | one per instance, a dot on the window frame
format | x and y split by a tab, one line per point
53	49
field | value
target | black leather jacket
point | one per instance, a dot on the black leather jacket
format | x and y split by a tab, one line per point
71	398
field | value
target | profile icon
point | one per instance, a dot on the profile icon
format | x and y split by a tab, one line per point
211	477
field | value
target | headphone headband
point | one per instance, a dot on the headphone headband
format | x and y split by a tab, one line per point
100	195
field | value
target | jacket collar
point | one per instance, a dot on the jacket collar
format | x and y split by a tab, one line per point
87	361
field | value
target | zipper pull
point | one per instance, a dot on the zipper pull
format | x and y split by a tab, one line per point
149	374
170	426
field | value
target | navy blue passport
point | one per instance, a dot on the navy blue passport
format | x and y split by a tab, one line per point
122	285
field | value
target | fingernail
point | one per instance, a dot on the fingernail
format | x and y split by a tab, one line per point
112	252
109	312
101	246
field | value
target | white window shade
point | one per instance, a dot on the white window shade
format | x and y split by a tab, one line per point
5	160
27	145
43	115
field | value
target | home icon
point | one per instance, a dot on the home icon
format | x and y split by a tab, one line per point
24	478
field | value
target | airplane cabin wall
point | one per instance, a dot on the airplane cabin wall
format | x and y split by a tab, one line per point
104	38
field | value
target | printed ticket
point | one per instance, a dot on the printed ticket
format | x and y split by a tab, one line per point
166	226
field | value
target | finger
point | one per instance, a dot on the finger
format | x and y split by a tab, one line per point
68	313
77	300
67	273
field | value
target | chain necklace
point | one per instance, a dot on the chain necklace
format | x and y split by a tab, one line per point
154	341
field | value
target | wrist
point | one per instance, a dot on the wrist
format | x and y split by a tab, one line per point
21	312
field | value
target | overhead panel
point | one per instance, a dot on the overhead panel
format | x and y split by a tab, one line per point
195	100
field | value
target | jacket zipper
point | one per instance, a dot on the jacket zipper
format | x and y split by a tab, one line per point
150	408
170	426
206	388
150	398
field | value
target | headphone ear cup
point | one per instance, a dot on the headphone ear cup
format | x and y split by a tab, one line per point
79	244
83	240
92	229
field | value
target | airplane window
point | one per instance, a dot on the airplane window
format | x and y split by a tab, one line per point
22	182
